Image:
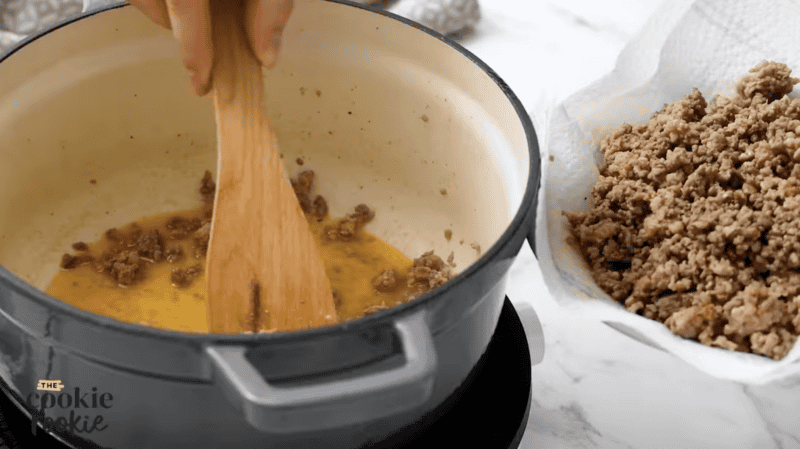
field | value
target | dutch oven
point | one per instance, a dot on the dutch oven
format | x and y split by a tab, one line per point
98	128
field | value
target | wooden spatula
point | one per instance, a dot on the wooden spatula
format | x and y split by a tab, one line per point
263	270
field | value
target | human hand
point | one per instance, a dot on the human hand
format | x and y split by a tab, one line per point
190	22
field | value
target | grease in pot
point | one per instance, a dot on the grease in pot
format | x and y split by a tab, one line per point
152	272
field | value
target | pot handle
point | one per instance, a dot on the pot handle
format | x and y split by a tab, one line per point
335	403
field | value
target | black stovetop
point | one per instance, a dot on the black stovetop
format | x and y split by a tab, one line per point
491	407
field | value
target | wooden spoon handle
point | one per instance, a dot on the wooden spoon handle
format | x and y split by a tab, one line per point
264	269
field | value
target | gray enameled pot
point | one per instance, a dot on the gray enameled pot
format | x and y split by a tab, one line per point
386	112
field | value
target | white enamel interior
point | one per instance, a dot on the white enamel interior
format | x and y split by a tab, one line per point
106	98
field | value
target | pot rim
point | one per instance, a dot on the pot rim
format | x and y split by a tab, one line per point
525	216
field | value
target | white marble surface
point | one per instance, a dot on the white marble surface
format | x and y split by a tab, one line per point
596	388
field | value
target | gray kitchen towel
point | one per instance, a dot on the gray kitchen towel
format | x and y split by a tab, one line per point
19	18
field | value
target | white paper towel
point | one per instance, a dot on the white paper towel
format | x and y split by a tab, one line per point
704	44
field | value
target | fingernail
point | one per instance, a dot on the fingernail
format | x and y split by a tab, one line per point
205	88
268	57
200	81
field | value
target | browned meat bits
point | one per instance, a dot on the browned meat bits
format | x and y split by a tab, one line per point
695	218
183	277
315	206
427	273
387	281
346	228
128	255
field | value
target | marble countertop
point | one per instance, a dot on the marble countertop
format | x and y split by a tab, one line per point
596	388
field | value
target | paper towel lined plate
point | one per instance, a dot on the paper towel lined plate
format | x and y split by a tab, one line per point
704	44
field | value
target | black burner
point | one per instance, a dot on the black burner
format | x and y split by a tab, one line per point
491	407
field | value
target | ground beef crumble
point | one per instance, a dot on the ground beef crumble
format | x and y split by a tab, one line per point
695	218
428	272
183	277
201	238
150	246
371	310
347	228
174	253
302	185
181	227
125	266
69	261
387	281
